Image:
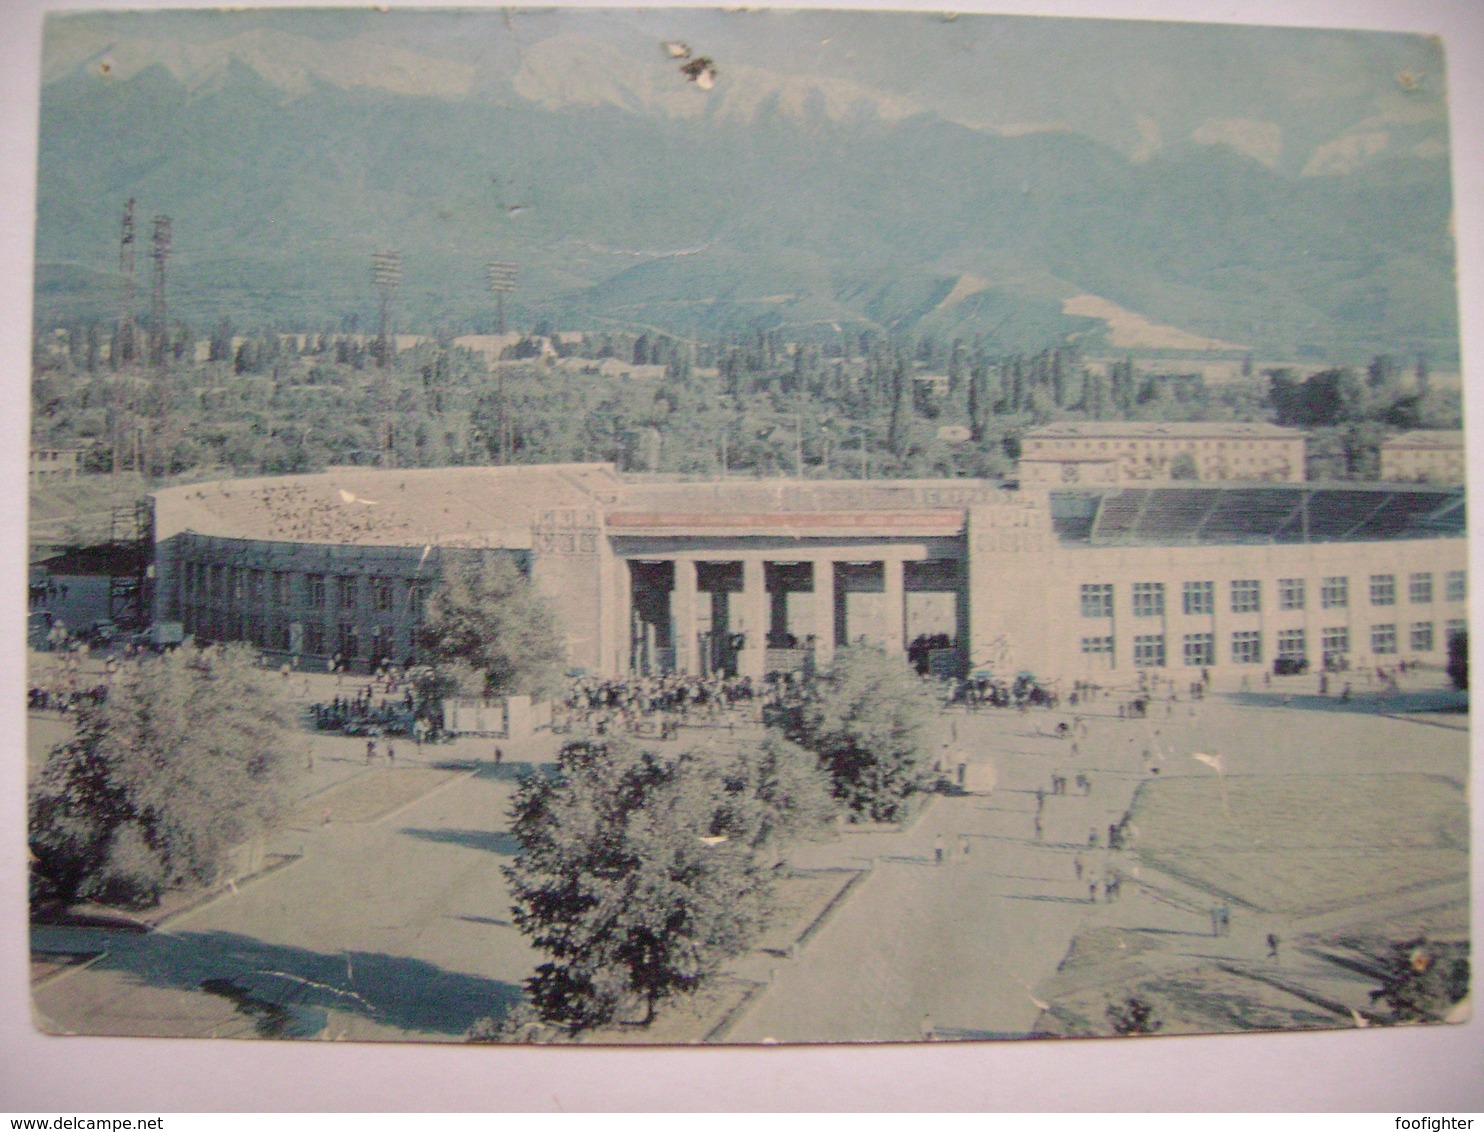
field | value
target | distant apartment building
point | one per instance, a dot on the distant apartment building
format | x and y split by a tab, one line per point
54	463
1113	453
1424	456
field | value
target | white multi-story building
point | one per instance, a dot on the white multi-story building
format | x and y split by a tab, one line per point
1424	456
1105	453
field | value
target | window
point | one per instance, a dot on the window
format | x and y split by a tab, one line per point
1149	651
417	598
1290	593
347	592
1419	589
1097	600
255	585
1291	645
1200	650
1336	642
1199	597
1149	599
1383	639
1456	585
1383	589
279	588
1098	646
314	638
1422	636
216	582
1455	628
234	583
1246	595
314	593
1247	647
381	595
350	642
1335	593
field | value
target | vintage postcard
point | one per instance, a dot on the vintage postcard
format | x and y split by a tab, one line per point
689	526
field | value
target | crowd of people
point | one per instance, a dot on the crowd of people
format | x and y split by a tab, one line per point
660	704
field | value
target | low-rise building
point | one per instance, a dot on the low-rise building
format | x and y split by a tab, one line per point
1424	456
1132	452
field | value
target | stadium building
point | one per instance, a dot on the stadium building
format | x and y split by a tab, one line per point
759	576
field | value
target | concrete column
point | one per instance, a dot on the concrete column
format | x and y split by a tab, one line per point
824	612
754	618
625	616
683	616
894	610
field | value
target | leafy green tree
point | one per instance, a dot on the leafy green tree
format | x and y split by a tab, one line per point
192	754
487	615
1458	659
640	874
866	718
1132	1016
1423	980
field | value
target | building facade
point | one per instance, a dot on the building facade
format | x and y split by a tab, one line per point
1129	452
751	577
1424	456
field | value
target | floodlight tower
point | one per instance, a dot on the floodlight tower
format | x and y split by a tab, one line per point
501	276
386	275
158	331
124	344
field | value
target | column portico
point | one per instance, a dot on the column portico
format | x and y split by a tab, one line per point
894	614
824	611
684	614
754	659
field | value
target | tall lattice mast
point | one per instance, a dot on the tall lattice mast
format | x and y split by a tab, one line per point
501	276
386	275
159	333
125	341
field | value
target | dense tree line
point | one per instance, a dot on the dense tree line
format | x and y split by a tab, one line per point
853	404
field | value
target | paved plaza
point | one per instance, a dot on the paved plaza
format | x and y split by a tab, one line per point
384	915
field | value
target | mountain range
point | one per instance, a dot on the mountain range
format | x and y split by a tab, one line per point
1031	180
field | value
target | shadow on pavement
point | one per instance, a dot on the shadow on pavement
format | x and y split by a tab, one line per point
507	770
396	991
504	844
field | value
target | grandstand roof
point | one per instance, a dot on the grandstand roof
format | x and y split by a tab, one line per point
1221	514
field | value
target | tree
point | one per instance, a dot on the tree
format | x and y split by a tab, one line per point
1132	1016
488	615
866	719
1458	659
640	874
191	754
1423	981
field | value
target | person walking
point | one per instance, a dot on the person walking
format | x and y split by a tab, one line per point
938	849
370	750
1272	946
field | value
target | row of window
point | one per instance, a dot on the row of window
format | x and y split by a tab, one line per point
1246	594
1199	649
203	582
318	639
